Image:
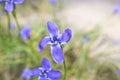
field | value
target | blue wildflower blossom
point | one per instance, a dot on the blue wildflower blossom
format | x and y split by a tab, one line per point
53	1
45	72
116	42
56	40
116	9
118	71
26	74
85	39
10	4
25	32
12	25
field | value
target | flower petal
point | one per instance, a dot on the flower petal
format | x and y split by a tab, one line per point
54	74
18	1
36	71
53	2
43	43
25	32
42	78
85	39
26	74
66	36
53	29
9	6
46	65
12	26
57	53
1	0
116	9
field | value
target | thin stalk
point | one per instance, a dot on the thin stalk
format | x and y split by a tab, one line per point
15	17
65	70
8	17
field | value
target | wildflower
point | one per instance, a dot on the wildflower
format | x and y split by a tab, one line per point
26	74
116	9
25	32
56	40
85	38
10	4
53	1
45	72
12	25
116	42
118	71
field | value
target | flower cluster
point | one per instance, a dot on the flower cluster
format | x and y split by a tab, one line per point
56	40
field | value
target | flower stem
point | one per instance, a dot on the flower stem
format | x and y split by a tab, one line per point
8	17
65	70
15	17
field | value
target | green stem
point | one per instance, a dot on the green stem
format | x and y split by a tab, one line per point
15	17
8	17
65	70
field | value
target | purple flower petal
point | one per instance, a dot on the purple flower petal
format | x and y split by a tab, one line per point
26	74
118	71
42	78
53	1
85	39
9	6
46	64
116	9
25	32
36	71
12	25
66	36
18	1
54	74
1	0
43	43
57	53
53	29
116	42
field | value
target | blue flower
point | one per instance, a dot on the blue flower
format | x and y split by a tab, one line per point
25	32
118	71
26	74
85	39
116	42
10	4
53	1
45	72
12	25
116	9
56	40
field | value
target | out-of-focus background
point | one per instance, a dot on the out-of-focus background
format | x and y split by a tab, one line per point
93	53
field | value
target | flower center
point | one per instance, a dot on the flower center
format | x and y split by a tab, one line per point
55	40
43	74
